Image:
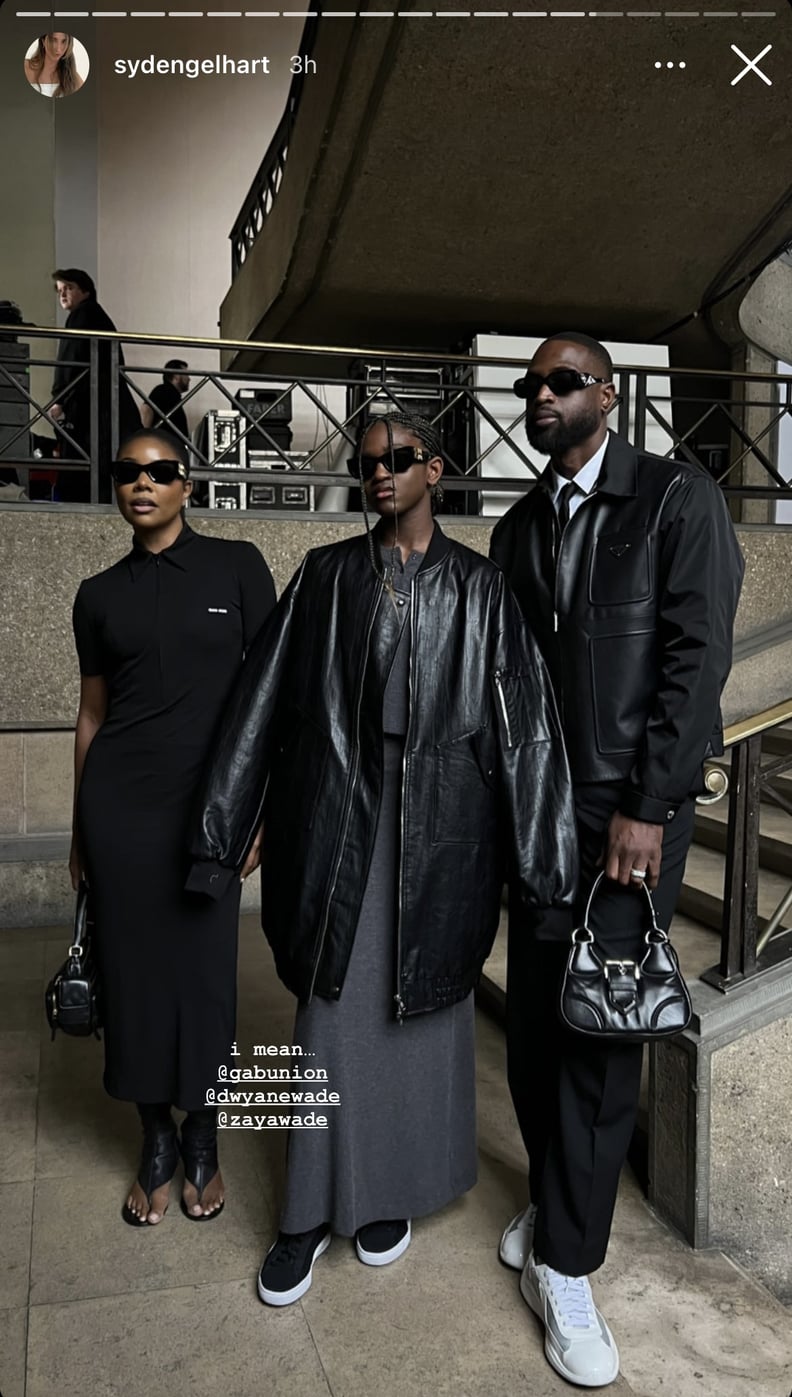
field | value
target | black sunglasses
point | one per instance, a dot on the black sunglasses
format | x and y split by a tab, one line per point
160	472
396	461
561	383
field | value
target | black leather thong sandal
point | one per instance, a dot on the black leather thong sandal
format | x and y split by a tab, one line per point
199	1152
158	1165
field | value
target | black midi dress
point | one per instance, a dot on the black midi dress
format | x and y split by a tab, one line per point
168	632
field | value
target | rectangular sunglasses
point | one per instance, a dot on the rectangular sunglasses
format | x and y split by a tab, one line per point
159	472
396	461
561	383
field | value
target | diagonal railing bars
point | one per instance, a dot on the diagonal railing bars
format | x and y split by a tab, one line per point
735	422
749	945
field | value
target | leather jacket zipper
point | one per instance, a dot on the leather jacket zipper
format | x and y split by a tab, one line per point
498	677
556	551
350	793
400	1005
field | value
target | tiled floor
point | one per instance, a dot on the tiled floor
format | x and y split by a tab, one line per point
91	1308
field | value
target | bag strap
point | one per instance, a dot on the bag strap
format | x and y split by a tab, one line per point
655	927
80	920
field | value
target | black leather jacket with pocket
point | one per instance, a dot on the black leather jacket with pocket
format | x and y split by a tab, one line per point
633	609
485	788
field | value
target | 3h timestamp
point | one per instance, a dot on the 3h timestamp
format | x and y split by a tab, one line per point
298	63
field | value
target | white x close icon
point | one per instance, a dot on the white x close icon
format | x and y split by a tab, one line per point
751	65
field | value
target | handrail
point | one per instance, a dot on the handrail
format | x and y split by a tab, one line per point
260	196
696	414
399	355
757	723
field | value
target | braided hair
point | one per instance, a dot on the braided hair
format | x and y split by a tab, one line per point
429	437
411	422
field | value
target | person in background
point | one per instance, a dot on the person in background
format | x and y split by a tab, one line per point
160	636
71	385
165	410
51	69
395	724
628	571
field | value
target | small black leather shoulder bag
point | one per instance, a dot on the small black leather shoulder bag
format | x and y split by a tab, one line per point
624	999
72	998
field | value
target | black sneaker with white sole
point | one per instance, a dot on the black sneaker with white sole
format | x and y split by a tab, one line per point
287	1271
379	1243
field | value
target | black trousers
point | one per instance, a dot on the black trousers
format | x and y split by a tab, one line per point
576	1100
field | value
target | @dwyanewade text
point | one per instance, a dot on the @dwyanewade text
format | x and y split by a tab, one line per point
298	1086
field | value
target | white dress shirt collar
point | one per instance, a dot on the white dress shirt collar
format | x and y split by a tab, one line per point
586	478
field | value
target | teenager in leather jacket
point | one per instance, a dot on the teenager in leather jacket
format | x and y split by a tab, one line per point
396	730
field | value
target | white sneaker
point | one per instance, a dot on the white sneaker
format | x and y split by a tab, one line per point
578	1342
517	1241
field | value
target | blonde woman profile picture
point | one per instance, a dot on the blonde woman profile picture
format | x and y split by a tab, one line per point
56	65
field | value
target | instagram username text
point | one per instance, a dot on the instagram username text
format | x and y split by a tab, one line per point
222	65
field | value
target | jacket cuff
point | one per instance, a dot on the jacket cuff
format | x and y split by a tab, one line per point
209	878
545	923
636	806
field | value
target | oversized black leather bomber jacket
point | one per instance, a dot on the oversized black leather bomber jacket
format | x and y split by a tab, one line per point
633	609
485	788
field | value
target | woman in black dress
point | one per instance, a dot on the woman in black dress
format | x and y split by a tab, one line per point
160	637
396	728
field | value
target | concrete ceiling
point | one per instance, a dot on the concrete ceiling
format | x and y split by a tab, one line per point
448	176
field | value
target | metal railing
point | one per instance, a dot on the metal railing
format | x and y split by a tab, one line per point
750	945
260	197
723	421
706	417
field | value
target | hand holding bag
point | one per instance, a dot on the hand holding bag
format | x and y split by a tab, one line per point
620	999
72	998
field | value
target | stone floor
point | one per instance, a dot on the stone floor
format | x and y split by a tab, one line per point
91	1308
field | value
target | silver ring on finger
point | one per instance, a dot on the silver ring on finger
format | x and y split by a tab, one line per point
639	873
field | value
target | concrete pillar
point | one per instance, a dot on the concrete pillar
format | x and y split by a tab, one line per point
720	1138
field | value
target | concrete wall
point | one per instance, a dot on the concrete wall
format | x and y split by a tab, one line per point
138	181
44	554
27	236
720	1139
191	146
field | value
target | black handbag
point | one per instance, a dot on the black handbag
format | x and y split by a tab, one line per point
624	1000
72	999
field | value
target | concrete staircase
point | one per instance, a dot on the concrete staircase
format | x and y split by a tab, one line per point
700	911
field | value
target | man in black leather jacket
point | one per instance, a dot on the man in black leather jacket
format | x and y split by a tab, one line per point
628	571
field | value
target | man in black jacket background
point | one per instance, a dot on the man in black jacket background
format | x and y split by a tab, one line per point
628	571
71	385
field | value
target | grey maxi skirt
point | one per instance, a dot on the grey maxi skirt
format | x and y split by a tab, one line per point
402	1141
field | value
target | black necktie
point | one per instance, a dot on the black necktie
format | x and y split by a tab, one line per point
563	502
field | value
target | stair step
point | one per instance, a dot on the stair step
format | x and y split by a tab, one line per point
775	854
778	742
775	822
702	890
